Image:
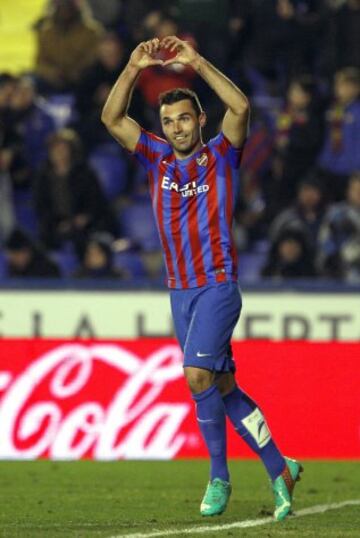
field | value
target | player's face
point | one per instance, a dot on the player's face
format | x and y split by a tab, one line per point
345	90
297	97
60	153
309	196
182	126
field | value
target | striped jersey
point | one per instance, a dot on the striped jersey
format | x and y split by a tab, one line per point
193	201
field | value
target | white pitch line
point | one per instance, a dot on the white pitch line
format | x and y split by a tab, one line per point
318	509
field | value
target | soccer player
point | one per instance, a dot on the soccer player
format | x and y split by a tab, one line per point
192	186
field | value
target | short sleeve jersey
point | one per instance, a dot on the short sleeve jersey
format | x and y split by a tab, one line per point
193	201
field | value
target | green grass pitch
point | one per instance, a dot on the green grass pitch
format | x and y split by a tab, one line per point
44	499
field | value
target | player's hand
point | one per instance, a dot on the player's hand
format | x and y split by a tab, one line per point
143	55
185	53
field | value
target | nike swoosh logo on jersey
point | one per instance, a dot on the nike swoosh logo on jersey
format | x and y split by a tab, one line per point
198	354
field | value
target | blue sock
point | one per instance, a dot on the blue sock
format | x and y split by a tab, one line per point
250	424
211	417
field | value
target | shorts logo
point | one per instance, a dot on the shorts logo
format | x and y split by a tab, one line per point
186	190
198	354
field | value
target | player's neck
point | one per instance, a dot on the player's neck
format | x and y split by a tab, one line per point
182	156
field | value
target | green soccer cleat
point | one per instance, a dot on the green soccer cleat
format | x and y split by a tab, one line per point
216	497
283	488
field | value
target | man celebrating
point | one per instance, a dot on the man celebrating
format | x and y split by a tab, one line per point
192	186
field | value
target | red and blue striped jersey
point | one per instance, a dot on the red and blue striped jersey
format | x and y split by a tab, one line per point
193	201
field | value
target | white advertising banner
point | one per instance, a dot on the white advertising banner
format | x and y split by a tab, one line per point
128	315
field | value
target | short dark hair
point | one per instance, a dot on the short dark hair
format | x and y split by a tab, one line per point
355	176
349	74
180	94
69	137
18	240
6	78
306	82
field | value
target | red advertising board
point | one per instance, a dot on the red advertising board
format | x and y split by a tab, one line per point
128	399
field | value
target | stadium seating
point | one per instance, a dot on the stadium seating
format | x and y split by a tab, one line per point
111	168
24	211
61	107
66	259
131	263
3	265
138	224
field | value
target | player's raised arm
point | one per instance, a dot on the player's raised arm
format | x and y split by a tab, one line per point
236	119
114	114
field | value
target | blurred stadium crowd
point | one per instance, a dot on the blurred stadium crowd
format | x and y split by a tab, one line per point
74	203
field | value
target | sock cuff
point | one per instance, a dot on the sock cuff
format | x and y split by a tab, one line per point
236	389
205	393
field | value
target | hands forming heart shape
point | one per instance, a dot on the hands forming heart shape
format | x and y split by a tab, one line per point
145	53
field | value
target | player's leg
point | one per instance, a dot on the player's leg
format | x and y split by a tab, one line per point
200	378
211	418
250	423
206	351
210	413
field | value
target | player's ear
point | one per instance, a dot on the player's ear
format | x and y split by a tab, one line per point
202	119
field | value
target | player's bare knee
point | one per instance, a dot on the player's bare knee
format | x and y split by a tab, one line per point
225	383
198	379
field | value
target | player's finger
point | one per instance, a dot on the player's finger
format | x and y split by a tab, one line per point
143	47
156	62
147	47
168	41
150	46
156	44
174	47
170	61
165	44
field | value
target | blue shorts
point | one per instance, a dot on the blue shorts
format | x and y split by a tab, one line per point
204	320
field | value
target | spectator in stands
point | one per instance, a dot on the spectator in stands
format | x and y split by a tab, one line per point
306	215
31	121
297	138
290	256
67	40
94	88
7	211
107	12
340	155
27	259
135	13
214	15
7	216
69	201
7	86
346	34
12	158
250	209
239	29
284	39
98	259
339	240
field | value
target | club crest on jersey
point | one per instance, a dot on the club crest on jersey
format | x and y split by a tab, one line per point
188	189
202	160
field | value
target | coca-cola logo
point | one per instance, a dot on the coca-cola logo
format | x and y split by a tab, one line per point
98	400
